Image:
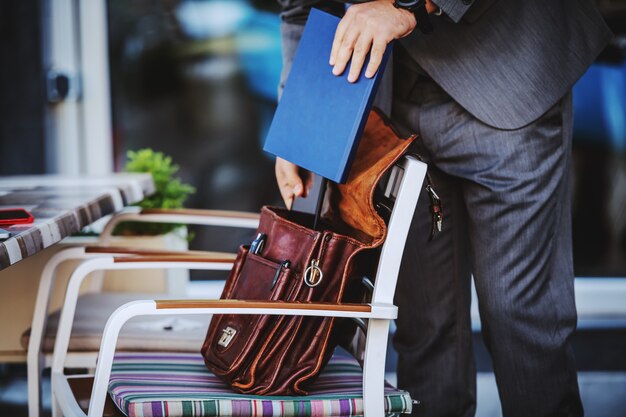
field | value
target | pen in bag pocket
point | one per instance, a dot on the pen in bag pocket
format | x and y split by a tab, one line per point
284	264
257	244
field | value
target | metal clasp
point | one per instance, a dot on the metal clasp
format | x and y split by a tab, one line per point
227	336
313	274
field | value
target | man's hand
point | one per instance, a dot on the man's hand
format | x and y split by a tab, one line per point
369	27
290	183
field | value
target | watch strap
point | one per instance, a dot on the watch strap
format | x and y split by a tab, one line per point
423	20
418	8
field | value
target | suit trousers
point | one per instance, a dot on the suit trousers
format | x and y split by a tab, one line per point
506	222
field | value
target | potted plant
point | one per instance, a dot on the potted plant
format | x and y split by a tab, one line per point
170	193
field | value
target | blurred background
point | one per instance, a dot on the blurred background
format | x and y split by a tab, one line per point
83	82
196	79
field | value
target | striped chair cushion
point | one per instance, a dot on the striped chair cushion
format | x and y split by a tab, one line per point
179	384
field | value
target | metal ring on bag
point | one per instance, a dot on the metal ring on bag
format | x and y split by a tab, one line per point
313	275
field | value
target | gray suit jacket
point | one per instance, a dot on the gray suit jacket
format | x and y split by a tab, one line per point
508	61
505	61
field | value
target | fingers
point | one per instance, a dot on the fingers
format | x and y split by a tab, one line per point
344	53
337	40
376	57
289	181
287	193
365	29
359	53
353	49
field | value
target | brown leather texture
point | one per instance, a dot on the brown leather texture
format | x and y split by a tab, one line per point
282	355
351	207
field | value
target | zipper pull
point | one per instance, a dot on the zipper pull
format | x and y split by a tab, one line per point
284	264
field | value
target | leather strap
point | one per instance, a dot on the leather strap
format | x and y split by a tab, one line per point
351	206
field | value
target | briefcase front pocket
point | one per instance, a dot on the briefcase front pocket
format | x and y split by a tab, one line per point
231	337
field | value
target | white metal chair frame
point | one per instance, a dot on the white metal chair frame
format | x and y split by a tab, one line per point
36	359
408	182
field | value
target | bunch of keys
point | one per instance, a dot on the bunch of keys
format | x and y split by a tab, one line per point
437	211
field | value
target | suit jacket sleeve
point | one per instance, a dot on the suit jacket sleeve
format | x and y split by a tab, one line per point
454	9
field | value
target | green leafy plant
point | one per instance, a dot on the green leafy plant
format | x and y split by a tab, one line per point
170	193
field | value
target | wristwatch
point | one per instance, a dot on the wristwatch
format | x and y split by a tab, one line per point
418	8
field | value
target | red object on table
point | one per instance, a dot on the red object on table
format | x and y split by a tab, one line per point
15	216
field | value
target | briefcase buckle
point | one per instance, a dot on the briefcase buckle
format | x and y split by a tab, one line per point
228	333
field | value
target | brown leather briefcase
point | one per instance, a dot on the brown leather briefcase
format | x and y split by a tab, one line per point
282	355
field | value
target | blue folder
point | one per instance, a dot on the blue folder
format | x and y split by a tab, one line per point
320	118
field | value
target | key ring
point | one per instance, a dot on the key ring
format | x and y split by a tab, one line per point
313	275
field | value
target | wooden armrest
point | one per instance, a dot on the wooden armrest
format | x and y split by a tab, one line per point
156	252
265	305
218	218
176	257
203	212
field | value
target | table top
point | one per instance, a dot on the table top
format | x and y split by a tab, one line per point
62	206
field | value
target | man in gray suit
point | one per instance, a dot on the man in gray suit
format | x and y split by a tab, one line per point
489	93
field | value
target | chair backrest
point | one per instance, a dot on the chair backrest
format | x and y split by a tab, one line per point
401	187
404	183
